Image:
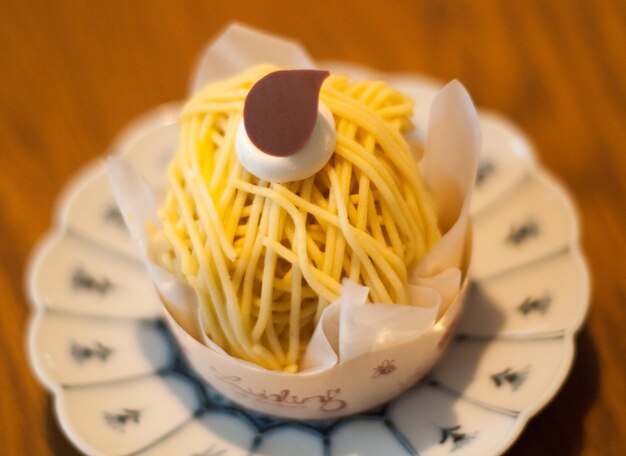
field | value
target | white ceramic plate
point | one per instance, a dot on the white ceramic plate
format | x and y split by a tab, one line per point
98	343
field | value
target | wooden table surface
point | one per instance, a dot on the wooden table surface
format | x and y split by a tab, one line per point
74	73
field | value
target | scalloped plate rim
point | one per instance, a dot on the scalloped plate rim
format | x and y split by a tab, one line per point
133	131
521	421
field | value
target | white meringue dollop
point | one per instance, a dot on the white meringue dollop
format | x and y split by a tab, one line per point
304	163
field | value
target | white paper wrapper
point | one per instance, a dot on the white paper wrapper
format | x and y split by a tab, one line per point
361	354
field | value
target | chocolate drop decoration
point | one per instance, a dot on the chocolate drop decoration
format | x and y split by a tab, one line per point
281	110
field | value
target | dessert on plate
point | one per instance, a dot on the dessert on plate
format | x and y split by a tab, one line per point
303	239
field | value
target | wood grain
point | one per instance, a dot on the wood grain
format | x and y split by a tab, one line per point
74	73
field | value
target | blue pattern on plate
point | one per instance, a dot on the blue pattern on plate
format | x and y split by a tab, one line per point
447	432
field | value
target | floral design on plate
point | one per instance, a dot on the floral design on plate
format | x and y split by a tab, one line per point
99	345
456	436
